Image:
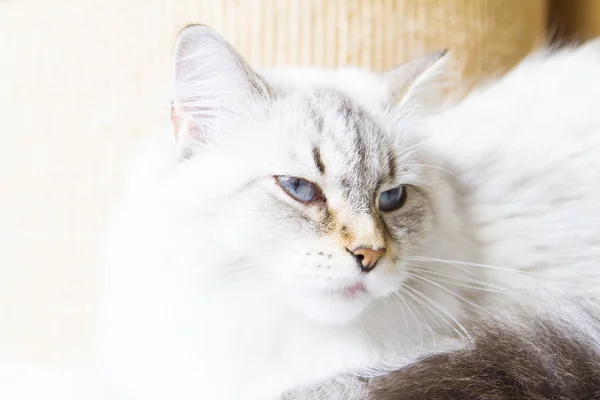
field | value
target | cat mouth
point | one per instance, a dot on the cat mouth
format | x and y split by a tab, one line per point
354	290
351	292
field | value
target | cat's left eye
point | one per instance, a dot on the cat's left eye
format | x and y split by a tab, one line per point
392	199
300	189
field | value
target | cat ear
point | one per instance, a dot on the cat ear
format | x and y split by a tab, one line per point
413	81
212	85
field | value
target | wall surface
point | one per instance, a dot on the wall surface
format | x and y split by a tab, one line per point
81	79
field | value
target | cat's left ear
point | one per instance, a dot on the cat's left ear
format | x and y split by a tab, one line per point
415	81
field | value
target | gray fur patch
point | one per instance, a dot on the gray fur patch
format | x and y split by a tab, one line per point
545	359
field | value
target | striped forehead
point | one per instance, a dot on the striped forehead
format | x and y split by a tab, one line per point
351	148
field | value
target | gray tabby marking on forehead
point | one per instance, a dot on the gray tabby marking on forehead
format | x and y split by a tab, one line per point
368	157
316	117
391	158
345	109
318	161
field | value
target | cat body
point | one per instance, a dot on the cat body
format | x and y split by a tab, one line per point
522	353
527	356
526	149
224	283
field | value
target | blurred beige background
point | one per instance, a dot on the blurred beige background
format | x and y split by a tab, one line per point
81	79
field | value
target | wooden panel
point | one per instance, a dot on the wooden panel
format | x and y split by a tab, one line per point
81	79
575	19
485	35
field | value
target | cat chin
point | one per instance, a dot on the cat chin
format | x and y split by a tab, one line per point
344	304
338	307
333	311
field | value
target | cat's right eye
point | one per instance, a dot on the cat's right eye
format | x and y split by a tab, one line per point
299	189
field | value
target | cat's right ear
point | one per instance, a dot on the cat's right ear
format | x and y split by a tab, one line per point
417	82
212	85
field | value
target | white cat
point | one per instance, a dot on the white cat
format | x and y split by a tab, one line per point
265	249
310	225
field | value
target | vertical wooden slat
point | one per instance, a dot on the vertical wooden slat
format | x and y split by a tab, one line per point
485	35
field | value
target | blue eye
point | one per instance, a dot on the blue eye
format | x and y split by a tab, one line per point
392	199
299	189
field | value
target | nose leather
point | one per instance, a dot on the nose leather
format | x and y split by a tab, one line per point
367	257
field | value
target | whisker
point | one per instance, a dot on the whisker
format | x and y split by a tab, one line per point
441	317
426	310
407	151
463	334
399	296
474	287
469	302
441	169
470	264
235	273
417	267
478	284
445	262
390	312
239	267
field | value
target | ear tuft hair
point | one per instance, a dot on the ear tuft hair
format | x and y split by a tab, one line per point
410	82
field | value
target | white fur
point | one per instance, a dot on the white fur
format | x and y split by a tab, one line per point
527	150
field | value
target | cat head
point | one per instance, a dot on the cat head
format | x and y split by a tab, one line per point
306	184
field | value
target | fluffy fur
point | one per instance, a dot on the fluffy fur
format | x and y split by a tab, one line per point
547	356
221	286
548	353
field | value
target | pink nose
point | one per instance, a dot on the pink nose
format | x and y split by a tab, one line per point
367	257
